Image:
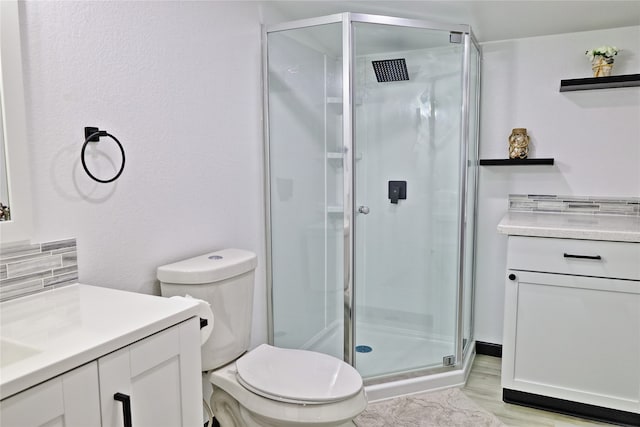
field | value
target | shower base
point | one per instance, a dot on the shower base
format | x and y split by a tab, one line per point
394	354
395	350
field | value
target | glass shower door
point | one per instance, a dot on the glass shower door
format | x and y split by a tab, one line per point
472	186
407	151
305	183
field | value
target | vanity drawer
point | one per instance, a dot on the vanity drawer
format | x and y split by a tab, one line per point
619	260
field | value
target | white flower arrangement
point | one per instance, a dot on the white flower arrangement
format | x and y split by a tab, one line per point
607	52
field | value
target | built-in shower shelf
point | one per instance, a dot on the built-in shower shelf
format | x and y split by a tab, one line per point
336	100
338	156
608	82
516	162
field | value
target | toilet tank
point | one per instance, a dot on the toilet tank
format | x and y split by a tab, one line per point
225	279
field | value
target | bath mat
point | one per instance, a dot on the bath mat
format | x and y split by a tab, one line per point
445	408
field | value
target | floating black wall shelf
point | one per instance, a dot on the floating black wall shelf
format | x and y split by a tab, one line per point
515	162
625	80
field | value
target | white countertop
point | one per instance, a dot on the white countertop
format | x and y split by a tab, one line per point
618	228
55	331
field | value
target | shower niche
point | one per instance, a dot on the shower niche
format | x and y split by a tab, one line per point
379	275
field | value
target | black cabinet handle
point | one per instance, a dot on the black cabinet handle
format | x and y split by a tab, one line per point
126	407
512	276
203	323
566	255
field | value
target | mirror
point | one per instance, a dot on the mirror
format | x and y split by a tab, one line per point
15	188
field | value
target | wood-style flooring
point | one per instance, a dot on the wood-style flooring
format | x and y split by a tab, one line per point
483	386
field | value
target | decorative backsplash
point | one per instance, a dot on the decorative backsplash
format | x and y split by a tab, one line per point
27	268
574	204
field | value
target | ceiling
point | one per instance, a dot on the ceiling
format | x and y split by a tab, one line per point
490	20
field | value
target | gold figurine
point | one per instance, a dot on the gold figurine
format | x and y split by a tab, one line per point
518	144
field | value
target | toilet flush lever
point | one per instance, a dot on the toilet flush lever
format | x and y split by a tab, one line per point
363	209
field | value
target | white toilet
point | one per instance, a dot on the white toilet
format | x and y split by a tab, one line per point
267	386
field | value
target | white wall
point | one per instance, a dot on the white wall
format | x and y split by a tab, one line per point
593	136
178	83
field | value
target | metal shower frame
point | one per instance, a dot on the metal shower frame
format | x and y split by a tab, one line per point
348	59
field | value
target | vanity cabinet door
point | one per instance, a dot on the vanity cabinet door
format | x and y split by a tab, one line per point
155	382
574	338
69	400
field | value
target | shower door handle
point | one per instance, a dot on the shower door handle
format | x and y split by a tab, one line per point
363	209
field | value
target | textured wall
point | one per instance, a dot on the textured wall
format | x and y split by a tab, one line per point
178	83
593	136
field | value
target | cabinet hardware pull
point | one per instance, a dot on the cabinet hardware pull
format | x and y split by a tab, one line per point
566	255
203	323
512	276
126	407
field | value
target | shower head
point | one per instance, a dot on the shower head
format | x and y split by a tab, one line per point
390	70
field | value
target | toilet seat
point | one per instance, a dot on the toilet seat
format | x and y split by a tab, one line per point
297	376
253	410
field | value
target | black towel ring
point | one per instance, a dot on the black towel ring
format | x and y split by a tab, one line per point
93	135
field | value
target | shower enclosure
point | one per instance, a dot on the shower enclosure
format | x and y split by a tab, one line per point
371	128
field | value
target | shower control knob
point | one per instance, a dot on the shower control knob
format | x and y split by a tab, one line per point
363	209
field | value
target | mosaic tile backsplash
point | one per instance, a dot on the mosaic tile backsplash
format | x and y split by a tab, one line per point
27	268
574	204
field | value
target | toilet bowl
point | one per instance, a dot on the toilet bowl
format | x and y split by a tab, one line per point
270	386
267	386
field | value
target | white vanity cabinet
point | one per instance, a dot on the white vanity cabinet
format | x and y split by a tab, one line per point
148	383
84	356
154	380
69	400
572	326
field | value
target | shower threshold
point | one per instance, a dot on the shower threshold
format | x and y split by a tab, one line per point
419	381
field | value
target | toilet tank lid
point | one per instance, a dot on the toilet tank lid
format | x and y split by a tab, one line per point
211	267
